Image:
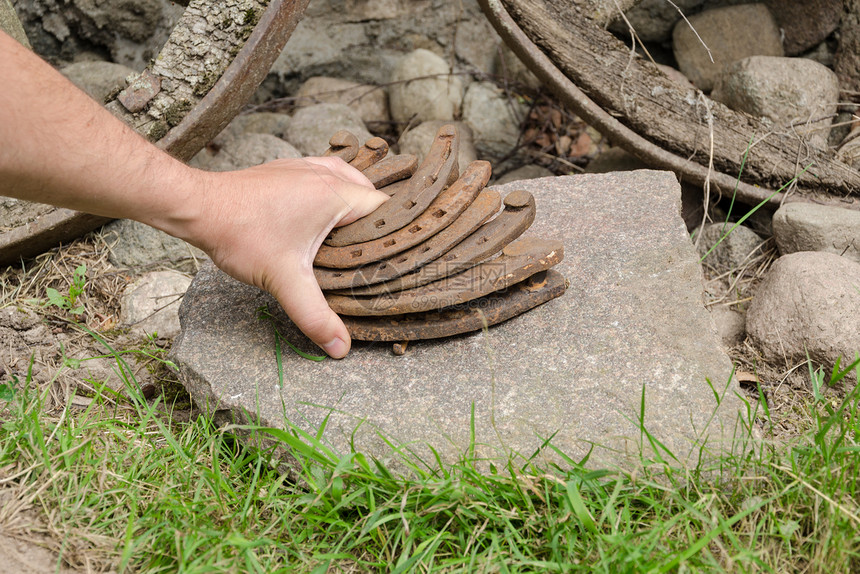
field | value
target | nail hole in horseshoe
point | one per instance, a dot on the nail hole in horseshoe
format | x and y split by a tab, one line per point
379	223
389	243
409	205
415	229
356	253
439	213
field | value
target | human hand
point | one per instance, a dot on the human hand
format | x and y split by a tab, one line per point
264	225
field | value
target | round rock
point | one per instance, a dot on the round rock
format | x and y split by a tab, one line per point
271	123
98	79
369	102
418	140
805	23
151	304
739	247
311	128
243	151
423	89
810	227
808	302
494	117
795	91
731	33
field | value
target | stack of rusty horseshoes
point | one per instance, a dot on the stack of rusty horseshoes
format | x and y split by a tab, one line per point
433	261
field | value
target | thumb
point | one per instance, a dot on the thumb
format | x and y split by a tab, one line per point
362	201
301	298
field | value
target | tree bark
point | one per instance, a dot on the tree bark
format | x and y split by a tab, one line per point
198	51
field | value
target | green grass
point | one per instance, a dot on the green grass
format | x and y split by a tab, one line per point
133	493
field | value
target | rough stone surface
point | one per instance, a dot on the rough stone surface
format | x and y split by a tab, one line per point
788	91
151	303
418	140
846	60
131	32
730	324
738	248
810	227
311	128
133	244
731	33
98	79
246	150
617	159
370	102
653	20
632	317
808	302
364	41
271	123
523	173
423	89
805	23
494	117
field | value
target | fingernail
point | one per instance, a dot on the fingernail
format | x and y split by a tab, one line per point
336	348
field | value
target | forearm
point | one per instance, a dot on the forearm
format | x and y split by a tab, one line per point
58	146
262	225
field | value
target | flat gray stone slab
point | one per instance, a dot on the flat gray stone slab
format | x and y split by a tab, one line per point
574	368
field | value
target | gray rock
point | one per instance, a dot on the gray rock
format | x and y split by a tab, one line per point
810	227
98	79
243	151
271	123
616	159
494	117
738	248
133	244
417	141
805	23
731	33
730	324
364	41
311	128
422	89
131	32
632	321
808	302
788	91
370	102
524	173
150	304
653	20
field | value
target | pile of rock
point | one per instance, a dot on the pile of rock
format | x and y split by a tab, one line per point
771	59
808	303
